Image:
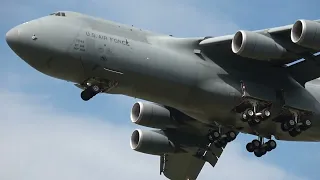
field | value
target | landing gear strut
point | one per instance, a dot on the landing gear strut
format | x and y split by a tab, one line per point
259	147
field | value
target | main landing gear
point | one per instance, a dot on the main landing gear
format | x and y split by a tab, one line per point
219	139
95	86
255	114
259	147
215	139
253	110
296	122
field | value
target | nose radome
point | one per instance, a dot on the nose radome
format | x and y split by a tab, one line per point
12	37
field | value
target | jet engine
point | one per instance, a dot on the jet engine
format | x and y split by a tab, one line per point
151	115
256	46
151	142
306	33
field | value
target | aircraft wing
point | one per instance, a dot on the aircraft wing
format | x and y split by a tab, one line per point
185	147
274	46
187	166
305	70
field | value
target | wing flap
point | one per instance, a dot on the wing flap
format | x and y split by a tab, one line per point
182	166
187	166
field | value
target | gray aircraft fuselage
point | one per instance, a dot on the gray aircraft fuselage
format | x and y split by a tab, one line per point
158	68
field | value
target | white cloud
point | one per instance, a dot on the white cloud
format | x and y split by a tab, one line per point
38	141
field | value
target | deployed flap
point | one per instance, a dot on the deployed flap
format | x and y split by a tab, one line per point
182	166
187	166
306	70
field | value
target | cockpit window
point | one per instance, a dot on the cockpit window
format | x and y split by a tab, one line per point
58	14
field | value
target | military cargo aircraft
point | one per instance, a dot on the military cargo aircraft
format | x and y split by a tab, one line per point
199	93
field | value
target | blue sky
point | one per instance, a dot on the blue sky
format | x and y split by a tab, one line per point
48	132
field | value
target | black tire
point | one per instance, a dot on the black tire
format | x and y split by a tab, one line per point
250	147
263	151
266	113
284	127
86	95
244	117
307	123
294	133
250	113
256	144
291	123
257	153
271	144
214	135
231	135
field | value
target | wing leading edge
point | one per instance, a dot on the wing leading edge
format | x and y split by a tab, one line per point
288	51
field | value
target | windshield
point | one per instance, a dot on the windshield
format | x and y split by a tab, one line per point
58	14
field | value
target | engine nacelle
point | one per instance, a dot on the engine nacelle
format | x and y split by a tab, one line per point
151	115
306	33
256	46
151	142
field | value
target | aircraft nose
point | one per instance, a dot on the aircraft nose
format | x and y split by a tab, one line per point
12	38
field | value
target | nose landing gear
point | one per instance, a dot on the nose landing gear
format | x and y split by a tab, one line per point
95	86
90	92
